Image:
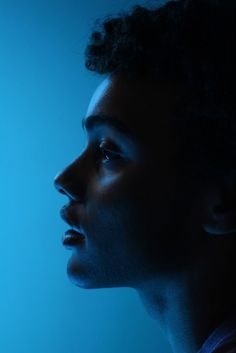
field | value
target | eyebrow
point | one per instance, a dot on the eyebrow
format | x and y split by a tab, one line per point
94	121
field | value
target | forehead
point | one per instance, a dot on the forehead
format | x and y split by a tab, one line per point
99	94
144	106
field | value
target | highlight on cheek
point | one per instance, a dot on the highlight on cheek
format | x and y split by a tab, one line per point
109	178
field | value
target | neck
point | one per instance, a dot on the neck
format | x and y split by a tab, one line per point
190	305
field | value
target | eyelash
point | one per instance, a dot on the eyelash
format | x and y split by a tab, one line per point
106	154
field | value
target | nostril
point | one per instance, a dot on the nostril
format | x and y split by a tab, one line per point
68	184
61	191
58	186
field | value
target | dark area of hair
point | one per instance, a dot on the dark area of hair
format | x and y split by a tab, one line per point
191	42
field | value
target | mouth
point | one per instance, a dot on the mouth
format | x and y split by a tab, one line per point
72	238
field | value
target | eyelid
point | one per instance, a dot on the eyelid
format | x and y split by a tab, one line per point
109	152
109	145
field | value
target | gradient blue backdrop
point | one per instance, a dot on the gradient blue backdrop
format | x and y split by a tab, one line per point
44	93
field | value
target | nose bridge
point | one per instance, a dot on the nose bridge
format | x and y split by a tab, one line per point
70	180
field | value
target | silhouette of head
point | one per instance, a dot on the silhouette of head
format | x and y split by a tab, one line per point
155	184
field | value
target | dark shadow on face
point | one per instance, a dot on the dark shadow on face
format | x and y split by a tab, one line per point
126	195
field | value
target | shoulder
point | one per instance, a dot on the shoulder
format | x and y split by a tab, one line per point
222	339
227	345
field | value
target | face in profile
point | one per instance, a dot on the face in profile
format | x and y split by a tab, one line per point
127	205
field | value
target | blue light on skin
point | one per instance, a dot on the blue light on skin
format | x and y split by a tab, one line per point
44	92
144	227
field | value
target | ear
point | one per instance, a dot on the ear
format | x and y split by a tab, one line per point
220	208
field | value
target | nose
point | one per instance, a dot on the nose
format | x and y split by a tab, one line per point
69	183
58	184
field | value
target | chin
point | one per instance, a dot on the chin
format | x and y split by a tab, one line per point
78	282
82	278
86	282
78	276
82	275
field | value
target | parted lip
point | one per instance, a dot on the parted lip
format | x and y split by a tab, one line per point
67	214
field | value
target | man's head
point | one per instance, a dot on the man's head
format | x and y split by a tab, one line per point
156	178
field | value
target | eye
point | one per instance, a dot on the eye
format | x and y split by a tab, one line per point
108	152
109	155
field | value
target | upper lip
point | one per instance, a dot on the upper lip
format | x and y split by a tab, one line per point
67	214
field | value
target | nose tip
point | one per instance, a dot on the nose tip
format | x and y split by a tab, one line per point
70	182
58	185
66	187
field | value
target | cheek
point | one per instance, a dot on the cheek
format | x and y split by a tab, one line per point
123	193
109	187
121	211
116	206
110	207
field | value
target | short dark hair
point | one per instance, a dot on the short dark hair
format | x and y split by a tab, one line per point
191	42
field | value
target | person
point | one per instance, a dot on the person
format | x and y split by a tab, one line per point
152	197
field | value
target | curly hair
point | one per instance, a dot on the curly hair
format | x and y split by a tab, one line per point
191	42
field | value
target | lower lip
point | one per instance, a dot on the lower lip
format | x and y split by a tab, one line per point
72	238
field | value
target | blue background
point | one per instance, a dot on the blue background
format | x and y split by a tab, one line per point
44	93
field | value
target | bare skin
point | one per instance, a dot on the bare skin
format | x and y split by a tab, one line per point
143	227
